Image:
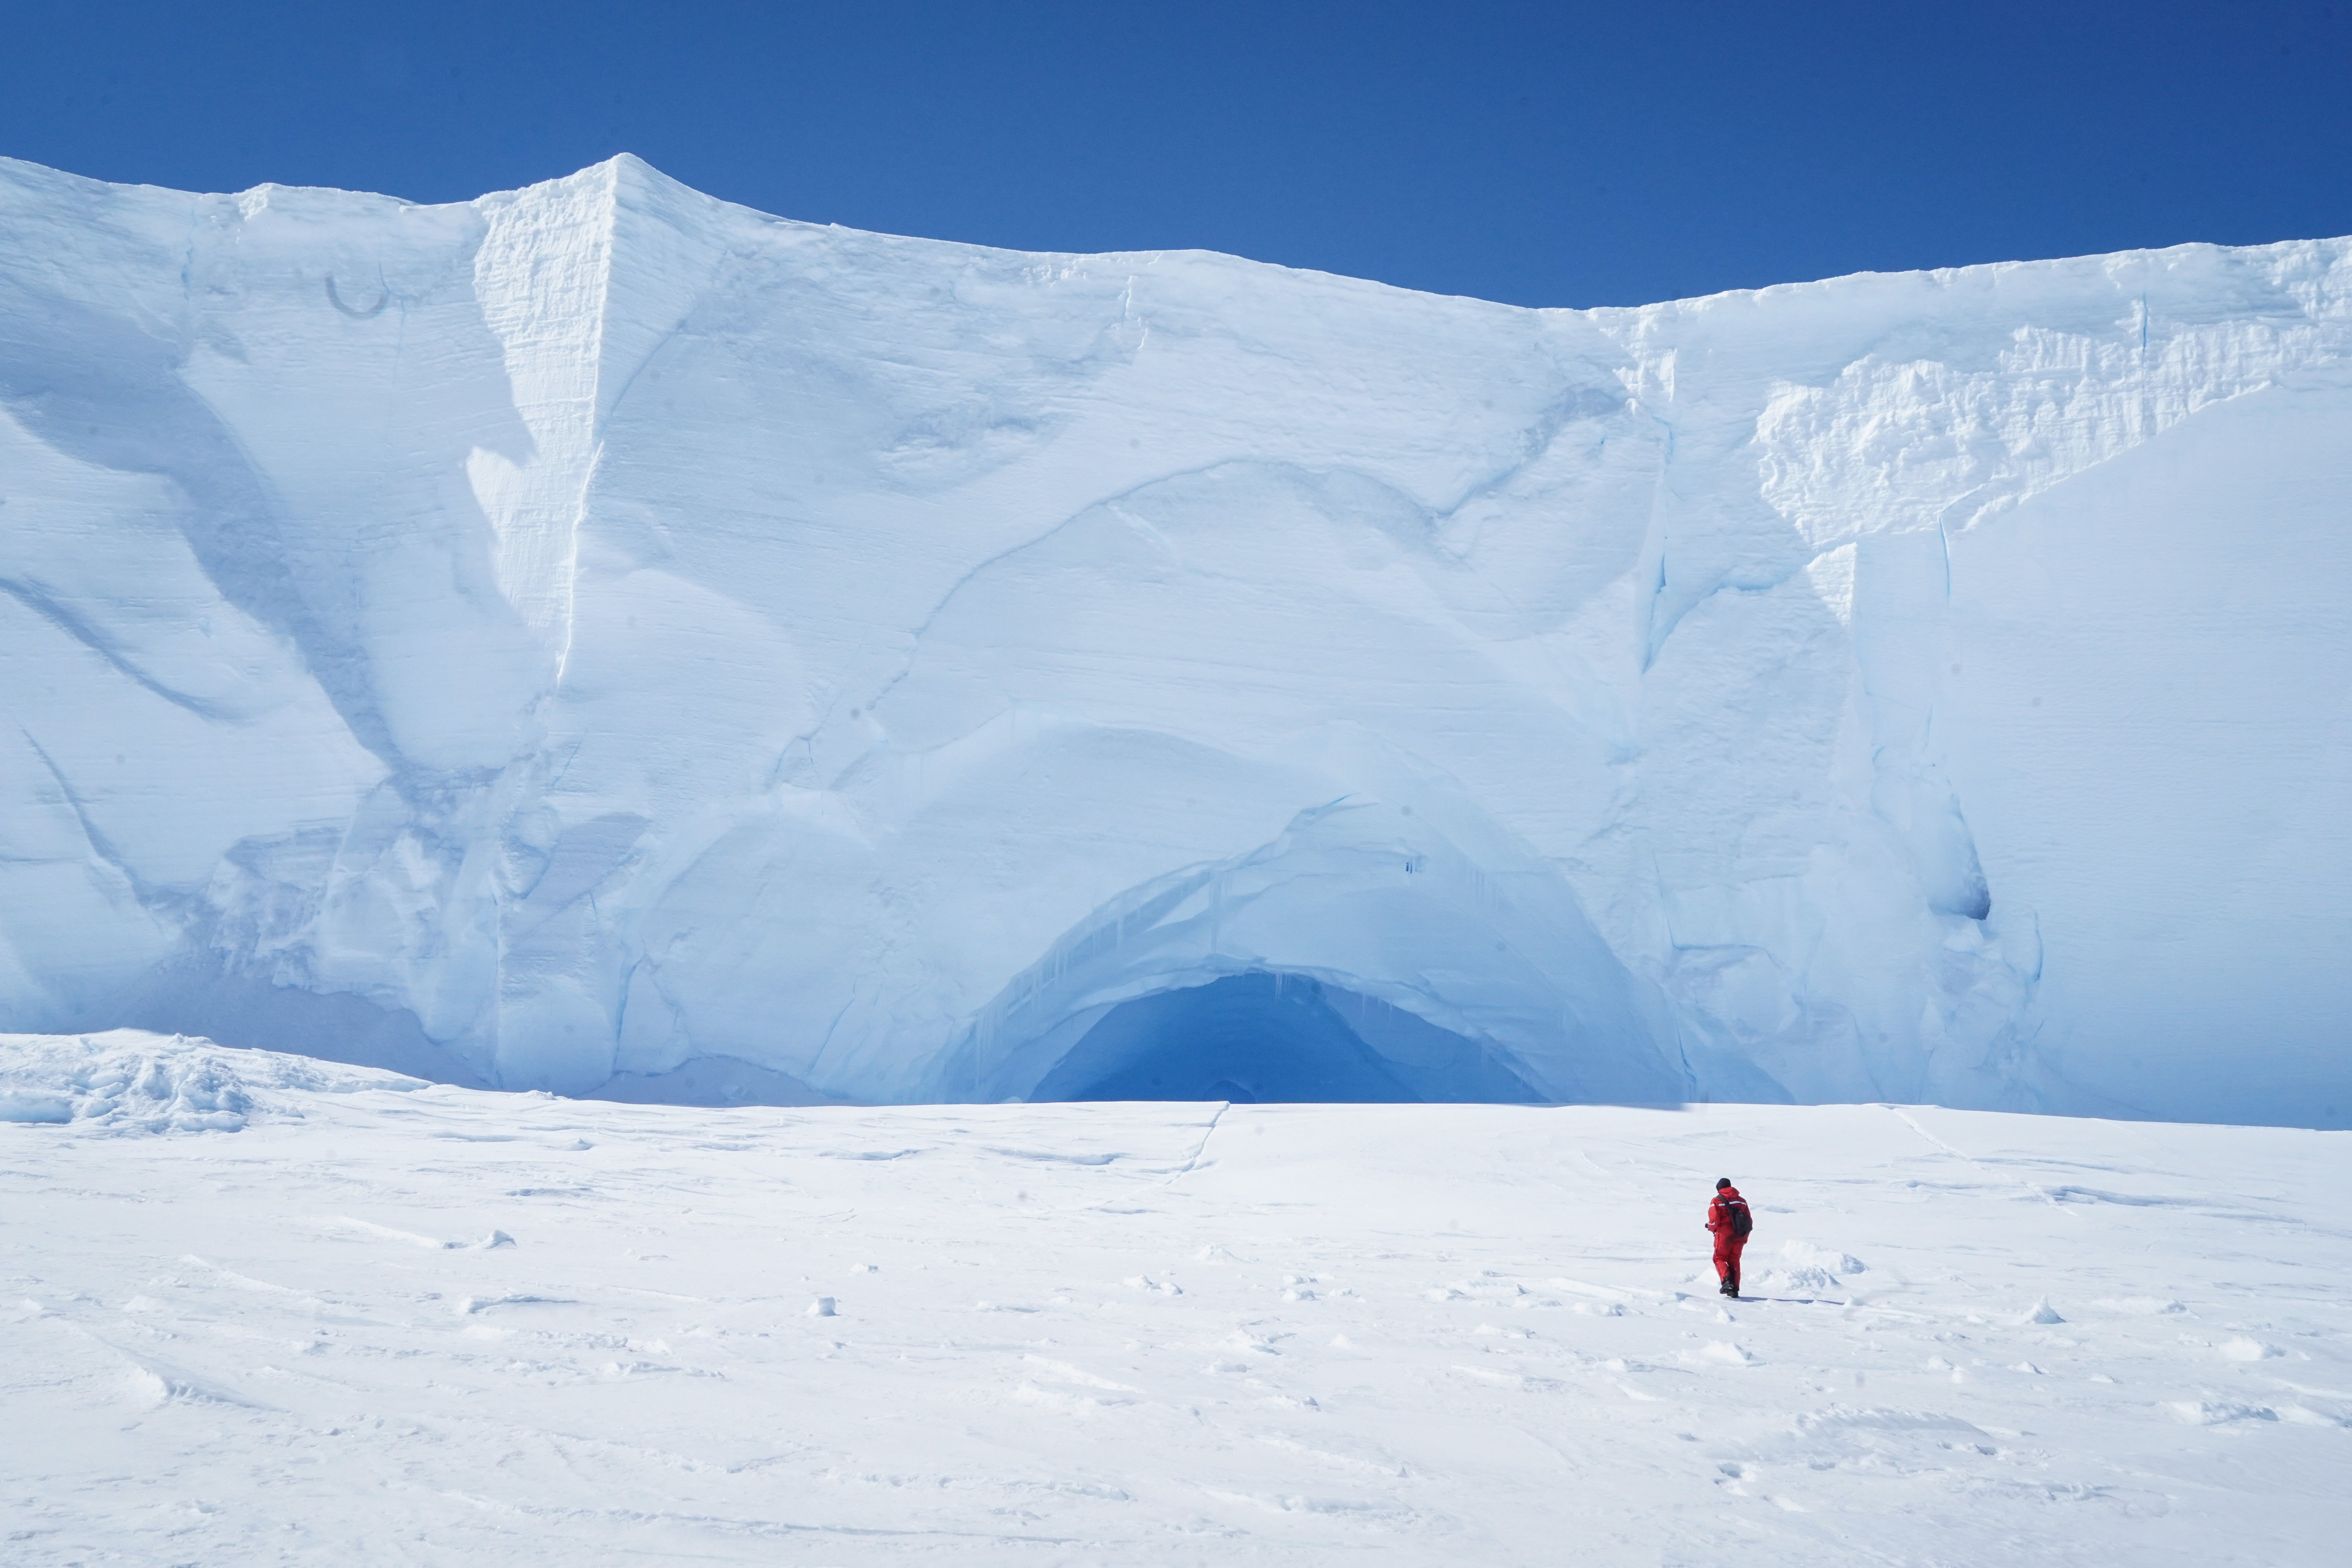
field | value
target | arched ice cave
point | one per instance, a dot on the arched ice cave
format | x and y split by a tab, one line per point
1263	1036
1370	952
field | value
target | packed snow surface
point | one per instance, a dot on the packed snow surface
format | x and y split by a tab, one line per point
435	1325
597	635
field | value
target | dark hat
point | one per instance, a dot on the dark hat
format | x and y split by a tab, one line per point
1721	1183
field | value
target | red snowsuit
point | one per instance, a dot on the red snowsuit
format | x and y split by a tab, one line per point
1727	1244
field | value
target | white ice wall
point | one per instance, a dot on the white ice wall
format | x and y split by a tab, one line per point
594	627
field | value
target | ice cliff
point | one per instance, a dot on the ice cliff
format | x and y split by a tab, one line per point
597	630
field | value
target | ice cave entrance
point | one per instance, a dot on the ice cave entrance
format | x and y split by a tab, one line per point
1260	1037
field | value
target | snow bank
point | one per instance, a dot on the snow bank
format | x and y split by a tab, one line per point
594	629
131	1081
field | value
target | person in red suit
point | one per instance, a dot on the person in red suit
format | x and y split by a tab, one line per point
1727	1217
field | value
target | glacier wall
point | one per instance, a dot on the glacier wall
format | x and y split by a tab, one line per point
598	636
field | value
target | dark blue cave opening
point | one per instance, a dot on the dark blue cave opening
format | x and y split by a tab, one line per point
1263	1037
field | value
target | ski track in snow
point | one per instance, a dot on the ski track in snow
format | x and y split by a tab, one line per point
436	1325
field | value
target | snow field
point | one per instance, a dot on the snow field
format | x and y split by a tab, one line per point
406	1324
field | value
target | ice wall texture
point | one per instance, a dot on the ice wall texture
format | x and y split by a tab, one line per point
594	628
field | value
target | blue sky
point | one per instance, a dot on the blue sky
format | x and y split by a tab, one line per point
1561	155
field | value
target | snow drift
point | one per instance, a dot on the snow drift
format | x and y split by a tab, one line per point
126	1081
595	630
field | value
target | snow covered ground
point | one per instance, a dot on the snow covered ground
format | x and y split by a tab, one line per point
261	1309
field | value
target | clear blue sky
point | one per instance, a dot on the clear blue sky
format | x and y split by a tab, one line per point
1564	153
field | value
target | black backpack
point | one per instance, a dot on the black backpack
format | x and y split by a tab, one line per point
1740	1224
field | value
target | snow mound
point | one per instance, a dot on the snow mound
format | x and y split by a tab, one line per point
1806	1268
1828	1260
131	1081
2240	1348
